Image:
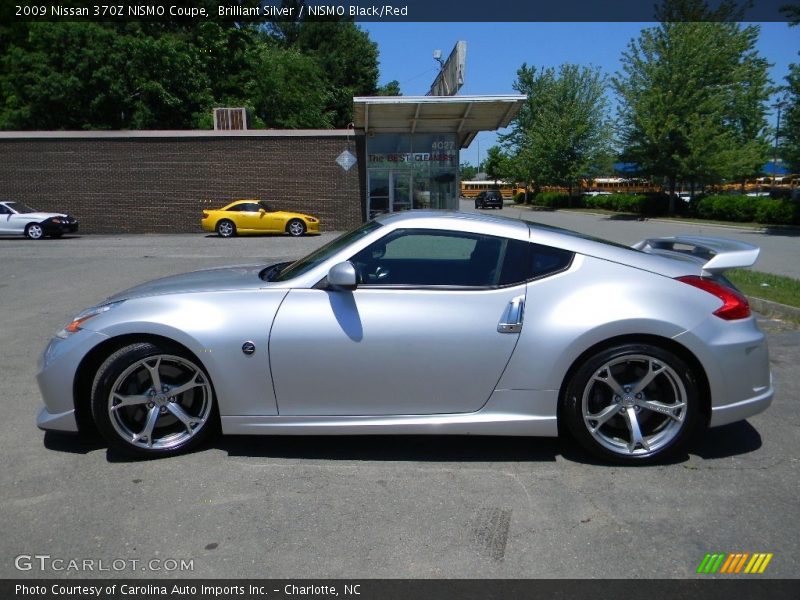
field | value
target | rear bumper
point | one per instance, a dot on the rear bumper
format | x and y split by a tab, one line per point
735	357
730	413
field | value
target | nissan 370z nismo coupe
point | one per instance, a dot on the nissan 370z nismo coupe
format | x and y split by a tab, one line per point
424	322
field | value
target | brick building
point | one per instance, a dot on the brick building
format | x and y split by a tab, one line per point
159	181
407	151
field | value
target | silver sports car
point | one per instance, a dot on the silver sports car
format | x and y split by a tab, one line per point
424	322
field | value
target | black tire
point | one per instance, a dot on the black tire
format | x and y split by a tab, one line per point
477	206
136	420
296	228
226	228
603	408
34	231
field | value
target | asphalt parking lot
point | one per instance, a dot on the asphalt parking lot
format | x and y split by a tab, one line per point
360	506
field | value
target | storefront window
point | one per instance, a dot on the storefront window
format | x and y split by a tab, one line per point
407	171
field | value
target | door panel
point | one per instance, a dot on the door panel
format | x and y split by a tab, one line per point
389	351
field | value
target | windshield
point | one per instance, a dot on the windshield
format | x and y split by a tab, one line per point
19	207
266	207
312	260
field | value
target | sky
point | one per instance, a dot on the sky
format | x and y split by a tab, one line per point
496	50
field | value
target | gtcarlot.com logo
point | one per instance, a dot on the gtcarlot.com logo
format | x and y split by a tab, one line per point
46	562
734	564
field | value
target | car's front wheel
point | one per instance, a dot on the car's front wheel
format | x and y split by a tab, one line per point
632	404
295	227
151	401
34	231
226	228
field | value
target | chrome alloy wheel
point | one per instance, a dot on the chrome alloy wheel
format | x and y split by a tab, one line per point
226	229
296	228
34	231
160	402
634	405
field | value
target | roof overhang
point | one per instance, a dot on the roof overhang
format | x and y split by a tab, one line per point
466	116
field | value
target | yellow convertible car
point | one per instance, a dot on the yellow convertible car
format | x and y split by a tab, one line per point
255	216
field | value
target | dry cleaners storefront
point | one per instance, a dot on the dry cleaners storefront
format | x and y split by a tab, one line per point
413	144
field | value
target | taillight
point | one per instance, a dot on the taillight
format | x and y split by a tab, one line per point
205	214
734	305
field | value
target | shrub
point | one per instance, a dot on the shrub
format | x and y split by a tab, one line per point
519	198
551	200
777	211
748	209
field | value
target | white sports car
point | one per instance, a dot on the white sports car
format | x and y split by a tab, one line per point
17	218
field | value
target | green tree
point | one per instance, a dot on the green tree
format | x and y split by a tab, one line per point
170	74
348	59
693	97
77	75
287	89
466	171
561	131
390	89
496	164
790	124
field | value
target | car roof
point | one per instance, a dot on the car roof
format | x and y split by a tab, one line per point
450	219
541	234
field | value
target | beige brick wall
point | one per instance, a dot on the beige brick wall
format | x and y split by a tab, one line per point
157	185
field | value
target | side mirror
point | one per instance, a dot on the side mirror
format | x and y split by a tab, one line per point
343	276
262	211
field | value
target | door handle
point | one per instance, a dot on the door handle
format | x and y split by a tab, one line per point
511	321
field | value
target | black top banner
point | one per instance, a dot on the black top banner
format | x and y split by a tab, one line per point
396	11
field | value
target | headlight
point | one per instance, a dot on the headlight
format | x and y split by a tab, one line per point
75	324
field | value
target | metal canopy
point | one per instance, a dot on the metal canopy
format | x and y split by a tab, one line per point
466	116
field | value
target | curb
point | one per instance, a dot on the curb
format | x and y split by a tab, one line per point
768	308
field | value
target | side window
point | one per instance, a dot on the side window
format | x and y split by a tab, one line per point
525	261
249	207
546	260
445	258
4	210
432	258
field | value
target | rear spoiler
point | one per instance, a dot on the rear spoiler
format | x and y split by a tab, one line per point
714	254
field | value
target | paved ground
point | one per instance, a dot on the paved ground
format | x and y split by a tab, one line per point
355	507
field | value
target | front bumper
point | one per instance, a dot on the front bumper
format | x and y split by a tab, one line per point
58	228
58	366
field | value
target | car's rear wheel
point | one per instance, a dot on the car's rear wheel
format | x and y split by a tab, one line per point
632	404
34	231
296	227
226	228
152	401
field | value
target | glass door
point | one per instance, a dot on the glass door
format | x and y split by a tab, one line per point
379	194
401	190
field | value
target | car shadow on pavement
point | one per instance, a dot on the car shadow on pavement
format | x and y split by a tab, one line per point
721	442
726	441
781	231
72	443
413	448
